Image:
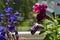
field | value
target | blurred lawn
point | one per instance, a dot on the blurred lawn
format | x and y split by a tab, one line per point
23	28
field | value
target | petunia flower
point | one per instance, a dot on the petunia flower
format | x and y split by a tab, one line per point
35	8
38	7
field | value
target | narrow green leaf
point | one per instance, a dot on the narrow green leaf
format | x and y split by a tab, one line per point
42	31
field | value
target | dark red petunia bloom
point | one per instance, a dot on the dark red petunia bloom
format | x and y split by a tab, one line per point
58	4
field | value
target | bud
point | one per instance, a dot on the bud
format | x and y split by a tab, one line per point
35	28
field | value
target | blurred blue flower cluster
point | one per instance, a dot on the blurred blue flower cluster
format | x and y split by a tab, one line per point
9	14
8	18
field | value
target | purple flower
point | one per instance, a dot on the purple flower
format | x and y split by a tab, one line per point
0	19
17	13
8	9
13	19
7	14
10	27
1	15
1	28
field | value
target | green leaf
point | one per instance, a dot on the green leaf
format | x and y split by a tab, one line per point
47	37
41	32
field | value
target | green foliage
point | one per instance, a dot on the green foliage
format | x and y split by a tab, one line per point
47	37
25	24
52	30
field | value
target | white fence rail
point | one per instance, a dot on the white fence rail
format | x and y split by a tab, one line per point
28	32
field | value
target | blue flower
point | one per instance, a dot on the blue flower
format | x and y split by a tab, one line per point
2	15
7	14
0	19
8	9
1	28
17	13
13	19
10	27
2	37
